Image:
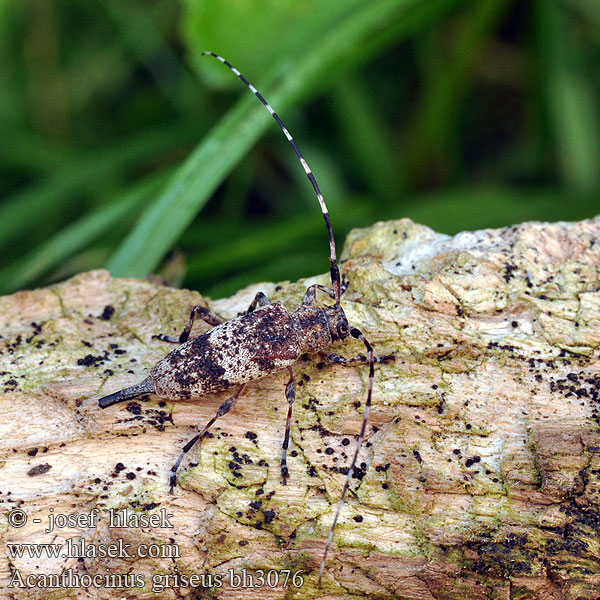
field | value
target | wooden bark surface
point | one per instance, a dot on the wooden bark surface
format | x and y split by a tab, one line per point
481	474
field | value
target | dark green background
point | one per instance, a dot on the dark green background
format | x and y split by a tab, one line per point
122	147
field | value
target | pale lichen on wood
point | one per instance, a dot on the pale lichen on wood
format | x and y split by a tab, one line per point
480	477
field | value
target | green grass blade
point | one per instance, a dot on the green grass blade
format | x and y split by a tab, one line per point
435	121
472	208
267	241
25	210
164	221
572	107
367	136
76	236
143	37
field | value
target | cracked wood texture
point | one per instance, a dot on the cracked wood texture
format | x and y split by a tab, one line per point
480	474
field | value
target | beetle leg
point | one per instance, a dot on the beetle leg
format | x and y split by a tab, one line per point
259	300
311	292
290	394
331	358
223	409
345	284
208	316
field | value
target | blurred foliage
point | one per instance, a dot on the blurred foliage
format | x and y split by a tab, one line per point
123	147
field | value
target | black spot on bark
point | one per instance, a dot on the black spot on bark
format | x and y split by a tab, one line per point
39	469
107	313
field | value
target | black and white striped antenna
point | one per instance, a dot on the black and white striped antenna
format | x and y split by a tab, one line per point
334	269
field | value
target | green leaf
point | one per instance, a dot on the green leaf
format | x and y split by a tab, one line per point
58	192
351	41
76	236
569	98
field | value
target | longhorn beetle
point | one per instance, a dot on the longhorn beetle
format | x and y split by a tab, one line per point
264	339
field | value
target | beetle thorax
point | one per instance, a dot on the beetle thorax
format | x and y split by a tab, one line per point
311	328
317	327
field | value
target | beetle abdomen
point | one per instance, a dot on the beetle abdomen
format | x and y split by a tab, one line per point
235	352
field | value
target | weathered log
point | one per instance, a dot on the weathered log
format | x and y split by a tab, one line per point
480	477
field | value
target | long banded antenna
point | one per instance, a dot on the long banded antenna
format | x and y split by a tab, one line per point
334	269
357	334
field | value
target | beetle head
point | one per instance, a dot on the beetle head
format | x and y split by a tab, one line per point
337	322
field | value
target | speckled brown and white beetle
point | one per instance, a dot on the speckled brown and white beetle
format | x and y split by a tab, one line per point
263	340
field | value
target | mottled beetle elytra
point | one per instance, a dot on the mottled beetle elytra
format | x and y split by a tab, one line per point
264	339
